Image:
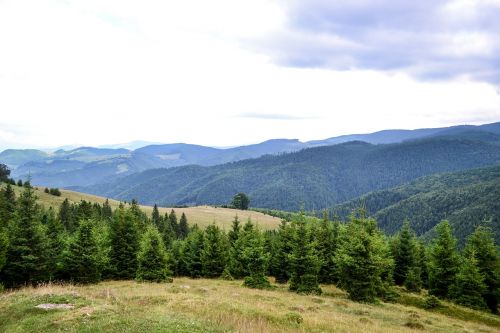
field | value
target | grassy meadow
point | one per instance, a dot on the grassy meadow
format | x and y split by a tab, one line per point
201	215
202	305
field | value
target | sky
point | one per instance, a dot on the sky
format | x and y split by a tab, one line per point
232	72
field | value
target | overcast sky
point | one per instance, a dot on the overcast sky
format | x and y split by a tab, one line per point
230	72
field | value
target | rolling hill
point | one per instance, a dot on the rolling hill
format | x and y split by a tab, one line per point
465	198
201	215
313	178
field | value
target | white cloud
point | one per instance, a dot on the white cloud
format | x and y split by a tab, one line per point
95	72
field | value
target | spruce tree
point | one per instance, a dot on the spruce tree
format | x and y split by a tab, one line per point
124	241
153	259
27	253
235	230
363	260
404	254
55	247
481	245
304	262
213	254
107	212
66	216
469	288
183	227
238	266
4	245
191	253
280	260
256	260
156	218
80	262
7	205
172	218
443	261
326	244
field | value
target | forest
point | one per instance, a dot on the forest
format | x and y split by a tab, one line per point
86	243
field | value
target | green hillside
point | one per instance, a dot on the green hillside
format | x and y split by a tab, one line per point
465	198
312	179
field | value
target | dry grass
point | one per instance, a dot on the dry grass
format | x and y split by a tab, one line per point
201	215
202	305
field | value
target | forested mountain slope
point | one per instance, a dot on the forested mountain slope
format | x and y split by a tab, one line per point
465	198
312	178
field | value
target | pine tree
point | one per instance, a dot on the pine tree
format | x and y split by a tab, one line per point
80	262
326	245
183	227
469	288
363	260
138	215
66	216
27	253
281	258
124	240
107	212
235	230
481	245
238	267
55	245
156	218
404	254
443	261
213	254
172	218
256	260
7	205
191	253
153	259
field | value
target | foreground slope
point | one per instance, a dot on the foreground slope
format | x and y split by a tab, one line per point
313	178
201	215
465	198
203	305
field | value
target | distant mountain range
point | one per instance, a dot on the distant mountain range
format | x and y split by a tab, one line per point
86	166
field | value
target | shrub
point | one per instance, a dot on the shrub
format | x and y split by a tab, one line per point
431	302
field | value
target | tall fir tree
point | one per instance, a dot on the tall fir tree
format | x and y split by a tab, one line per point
107	212
213	253
280	260
7	205
255	259
124	239
153	262
4	245
172	218
156	218
191	253
363	259
481	245
234	233
55	244
237	265
468	287
404	254
27	254
66	216
327	241
183	227
80	261
304	262
443	261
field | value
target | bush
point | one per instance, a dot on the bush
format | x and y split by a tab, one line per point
256	281
431	302
294	318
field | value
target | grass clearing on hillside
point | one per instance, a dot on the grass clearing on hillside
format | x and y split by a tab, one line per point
203	305
201	215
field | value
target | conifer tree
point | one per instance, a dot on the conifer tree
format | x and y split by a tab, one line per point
107	212
183	227
235	230
167	233
363	259
304	262
468	287
213	254
66	216
256	260
404	254
481	245
191	253
172	218
156	218
138	215
153	259
7	205
281	258
443	261
27	253
55	241
238	266
80	262
326	244
4	245
124	241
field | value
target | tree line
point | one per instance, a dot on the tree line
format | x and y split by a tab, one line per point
89	242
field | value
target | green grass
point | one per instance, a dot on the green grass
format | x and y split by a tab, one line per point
201	215
203	305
